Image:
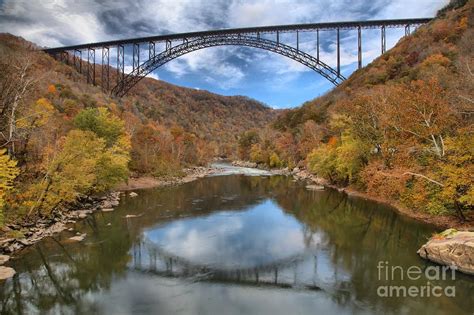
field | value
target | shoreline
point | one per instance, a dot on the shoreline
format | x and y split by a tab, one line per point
439	221
106	203
87	205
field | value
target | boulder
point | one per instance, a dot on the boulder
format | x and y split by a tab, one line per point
451	248
6	272
4	259
133	194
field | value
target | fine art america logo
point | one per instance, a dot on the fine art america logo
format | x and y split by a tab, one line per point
416	275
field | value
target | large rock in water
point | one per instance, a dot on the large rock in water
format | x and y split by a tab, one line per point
450	248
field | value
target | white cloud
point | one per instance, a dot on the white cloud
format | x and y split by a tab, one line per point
63	22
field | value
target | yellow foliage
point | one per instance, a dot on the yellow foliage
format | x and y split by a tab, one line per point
275	160
8	172
436	59
36	114
462	24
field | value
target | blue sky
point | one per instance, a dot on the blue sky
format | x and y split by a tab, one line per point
267	77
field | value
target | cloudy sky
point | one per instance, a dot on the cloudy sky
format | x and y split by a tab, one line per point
228	70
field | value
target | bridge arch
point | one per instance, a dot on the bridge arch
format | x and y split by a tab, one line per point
186	47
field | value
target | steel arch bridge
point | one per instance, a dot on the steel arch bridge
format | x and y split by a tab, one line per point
176	45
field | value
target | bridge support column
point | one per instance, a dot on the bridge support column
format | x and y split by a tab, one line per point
120	64
407	30
65	57
297	40
338	53
151	50
359	47
317	44
168	45
78	60
278	38
91	65
136	56
105	68
384	41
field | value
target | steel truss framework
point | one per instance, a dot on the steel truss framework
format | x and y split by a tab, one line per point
158	60
177	45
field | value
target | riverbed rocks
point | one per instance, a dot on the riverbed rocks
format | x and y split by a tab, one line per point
6	272
78	238
244	164
314	187
4	259
133	194
110	201
451	248
130	216
29	234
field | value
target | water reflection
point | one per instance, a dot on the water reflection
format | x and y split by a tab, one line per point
227	245
229	239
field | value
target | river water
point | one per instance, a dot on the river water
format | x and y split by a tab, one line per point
233	245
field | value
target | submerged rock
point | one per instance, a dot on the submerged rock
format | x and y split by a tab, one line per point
133	194
315	187
78	238
451	248
6	272
128	216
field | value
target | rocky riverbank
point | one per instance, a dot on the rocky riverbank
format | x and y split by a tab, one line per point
18	236
315	183
191	174
440	221
28	234
451	248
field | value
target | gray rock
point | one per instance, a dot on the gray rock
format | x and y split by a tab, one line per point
451	248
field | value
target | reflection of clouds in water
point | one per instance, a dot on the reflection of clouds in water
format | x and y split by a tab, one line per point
257	236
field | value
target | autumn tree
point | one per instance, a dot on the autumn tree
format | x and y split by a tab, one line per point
8	172
16	80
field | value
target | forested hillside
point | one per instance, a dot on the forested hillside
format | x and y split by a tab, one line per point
61	138
400	128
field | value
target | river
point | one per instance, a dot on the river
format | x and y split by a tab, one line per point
232	244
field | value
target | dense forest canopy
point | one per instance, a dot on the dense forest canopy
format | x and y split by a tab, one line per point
400	128
61	138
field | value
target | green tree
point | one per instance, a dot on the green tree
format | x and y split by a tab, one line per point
101	122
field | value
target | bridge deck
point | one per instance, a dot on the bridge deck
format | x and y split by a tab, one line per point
250	30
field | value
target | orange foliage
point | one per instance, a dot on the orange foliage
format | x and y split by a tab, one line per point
52	89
